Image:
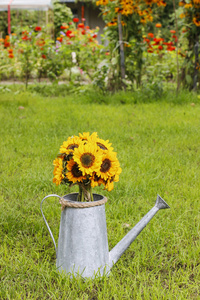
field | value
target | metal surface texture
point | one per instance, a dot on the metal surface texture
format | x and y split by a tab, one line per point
83	245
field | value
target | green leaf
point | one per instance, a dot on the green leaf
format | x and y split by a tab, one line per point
188	79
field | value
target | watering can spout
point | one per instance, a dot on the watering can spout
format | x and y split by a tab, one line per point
120	248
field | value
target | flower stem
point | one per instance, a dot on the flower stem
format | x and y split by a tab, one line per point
85	193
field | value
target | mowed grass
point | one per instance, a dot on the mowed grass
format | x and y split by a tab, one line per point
158	146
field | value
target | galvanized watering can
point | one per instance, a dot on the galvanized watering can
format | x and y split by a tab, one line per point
82	244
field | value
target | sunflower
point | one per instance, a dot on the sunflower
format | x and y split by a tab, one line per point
109	166
104	145
58	168
95	180
74	174
196	22
88	158
69	145
85	136
109	185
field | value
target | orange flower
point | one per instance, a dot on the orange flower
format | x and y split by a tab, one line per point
151	35
196	22
11	55
6	44
181	3
188	5
81	25
173	31
10	50
158	25
182	16
59	39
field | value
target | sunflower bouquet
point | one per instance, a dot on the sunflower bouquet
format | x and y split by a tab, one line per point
88	161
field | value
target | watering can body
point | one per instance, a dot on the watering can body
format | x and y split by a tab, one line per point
83	244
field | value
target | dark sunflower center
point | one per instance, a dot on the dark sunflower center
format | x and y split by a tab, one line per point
75	171
105	166
72	147
103	147
87	160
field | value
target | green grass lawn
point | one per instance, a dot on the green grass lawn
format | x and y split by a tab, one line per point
158	146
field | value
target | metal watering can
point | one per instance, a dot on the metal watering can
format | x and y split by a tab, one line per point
83	244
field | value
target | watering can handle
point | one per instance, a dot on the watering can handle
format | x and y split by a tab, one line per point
51	234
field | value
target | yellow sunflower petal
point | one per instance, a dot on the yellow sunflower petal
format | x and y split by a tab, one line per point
88	158
85	136
58	168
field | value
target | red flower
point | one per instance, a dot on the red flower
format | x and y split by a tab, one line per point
157	41
68	33
150	50
44	56
38	28
25	38
83	32
168	44
151	35
170	48
147	40
75	20
160	47
94	36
